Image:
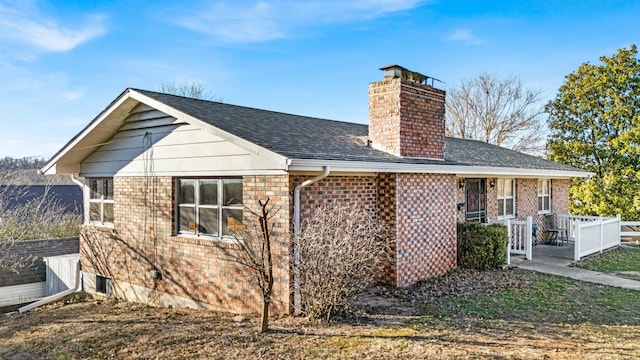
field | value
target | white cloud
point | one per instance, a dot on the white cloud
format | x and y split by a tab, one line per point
72	95
260	21
464	36
24	28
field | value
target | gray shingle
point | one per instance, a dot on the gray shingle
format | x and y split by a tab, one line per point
302	137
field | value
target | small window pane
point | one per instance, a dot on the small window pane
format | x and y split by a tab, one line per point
187	192
107	188
232	192
500	207
208	192
546	203
508	188
232	222
500	187
208	221
94	185
509	207
94	211
108	212
187	216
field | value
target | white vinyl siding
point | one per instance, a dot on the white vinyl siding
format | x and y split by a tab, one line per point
506	198
151	142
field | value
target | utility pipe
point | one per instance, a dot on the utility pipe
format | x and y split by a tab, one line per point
296	234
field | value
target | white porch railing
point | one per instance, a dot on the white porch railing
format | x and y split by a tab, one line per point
591	234
520	234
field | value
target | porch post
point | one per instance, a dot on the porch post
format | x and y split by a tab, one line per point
508	242
528	237
576	247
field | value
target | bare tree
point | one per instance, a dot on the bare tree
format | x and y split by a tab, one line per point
194	90
343	250
38	218
497	111
255	254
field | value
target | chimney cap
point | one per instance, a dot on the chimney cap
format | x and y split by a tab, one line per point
394	71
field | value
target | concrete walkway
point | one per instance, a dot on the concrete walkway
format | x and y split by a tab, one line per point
560	267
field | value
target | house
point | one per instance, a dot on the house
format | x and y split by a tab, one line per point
167	177
67	198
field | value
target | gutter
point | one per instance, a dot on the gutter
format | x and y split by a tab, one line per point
296	235
57	296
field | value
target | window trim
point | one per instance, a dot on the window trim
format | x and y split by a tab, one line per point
543	195
102	201
196	206
499	197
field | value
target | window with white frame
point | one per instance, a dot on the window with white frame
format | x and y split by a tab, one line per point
209	206
506	198
101	200
544	195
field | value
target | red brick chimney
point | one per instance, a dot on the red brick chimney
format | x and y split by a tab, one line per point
406	116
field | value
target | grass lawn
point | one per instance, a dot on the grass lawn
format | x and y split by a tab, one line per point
623	262
511	314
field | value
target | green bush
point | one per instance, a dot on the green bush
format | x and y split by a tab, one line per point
481	247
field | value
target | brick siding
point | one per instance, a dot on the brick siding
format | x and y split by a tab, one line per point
418	210
194	268
426	229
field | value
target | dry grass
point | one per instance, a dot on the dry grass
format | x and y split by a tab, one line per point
394	325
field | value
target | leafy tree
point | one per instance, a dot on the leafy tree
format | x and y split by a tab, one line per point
194	90
595	125
497	111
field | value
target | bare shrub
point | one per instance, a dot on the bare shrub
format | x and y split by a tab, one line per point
255	254
343	250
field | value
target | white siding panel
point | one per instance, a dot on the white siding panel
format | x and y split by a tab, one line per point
180	149
19	294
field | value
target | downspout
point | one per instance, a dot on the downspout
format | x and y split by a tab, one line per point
85	209
296	234
77	181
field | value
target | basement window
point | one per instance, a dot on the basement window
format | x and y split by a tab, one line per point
210	207
103	285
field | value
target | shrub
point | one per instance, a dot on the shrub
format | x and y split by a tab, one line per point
481	247
343	250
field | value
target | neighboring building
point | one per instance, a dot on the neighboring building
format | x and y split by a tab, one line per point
167	178
68	198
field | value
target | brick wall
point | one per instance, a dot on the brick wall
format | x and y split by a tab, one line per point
560	196
418	210
426	229
407	118
193	268
38	249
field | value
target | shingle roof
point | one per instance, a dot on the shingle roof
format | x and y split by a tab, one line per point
302	137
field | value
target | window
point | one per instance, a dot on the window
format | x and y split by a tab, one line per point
103	285
544	196
506	198
101	200
209	207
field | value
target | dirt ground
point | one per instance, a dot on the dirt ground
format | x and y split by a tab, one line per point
386	326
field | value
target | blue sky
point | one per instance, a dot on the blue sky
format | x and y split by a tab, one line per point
61	63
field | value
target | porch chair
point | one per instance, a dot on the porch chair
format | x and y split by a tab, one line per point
555	232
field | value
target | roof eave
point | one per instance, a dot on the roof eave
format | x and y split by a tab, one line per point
460	170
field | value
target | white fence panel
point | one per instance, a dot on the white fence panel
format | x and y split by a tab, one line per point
595	236
520	238
19	294
61	272
629	225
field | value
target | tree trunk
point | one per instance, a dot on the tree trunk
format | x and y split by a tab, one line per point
265	317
